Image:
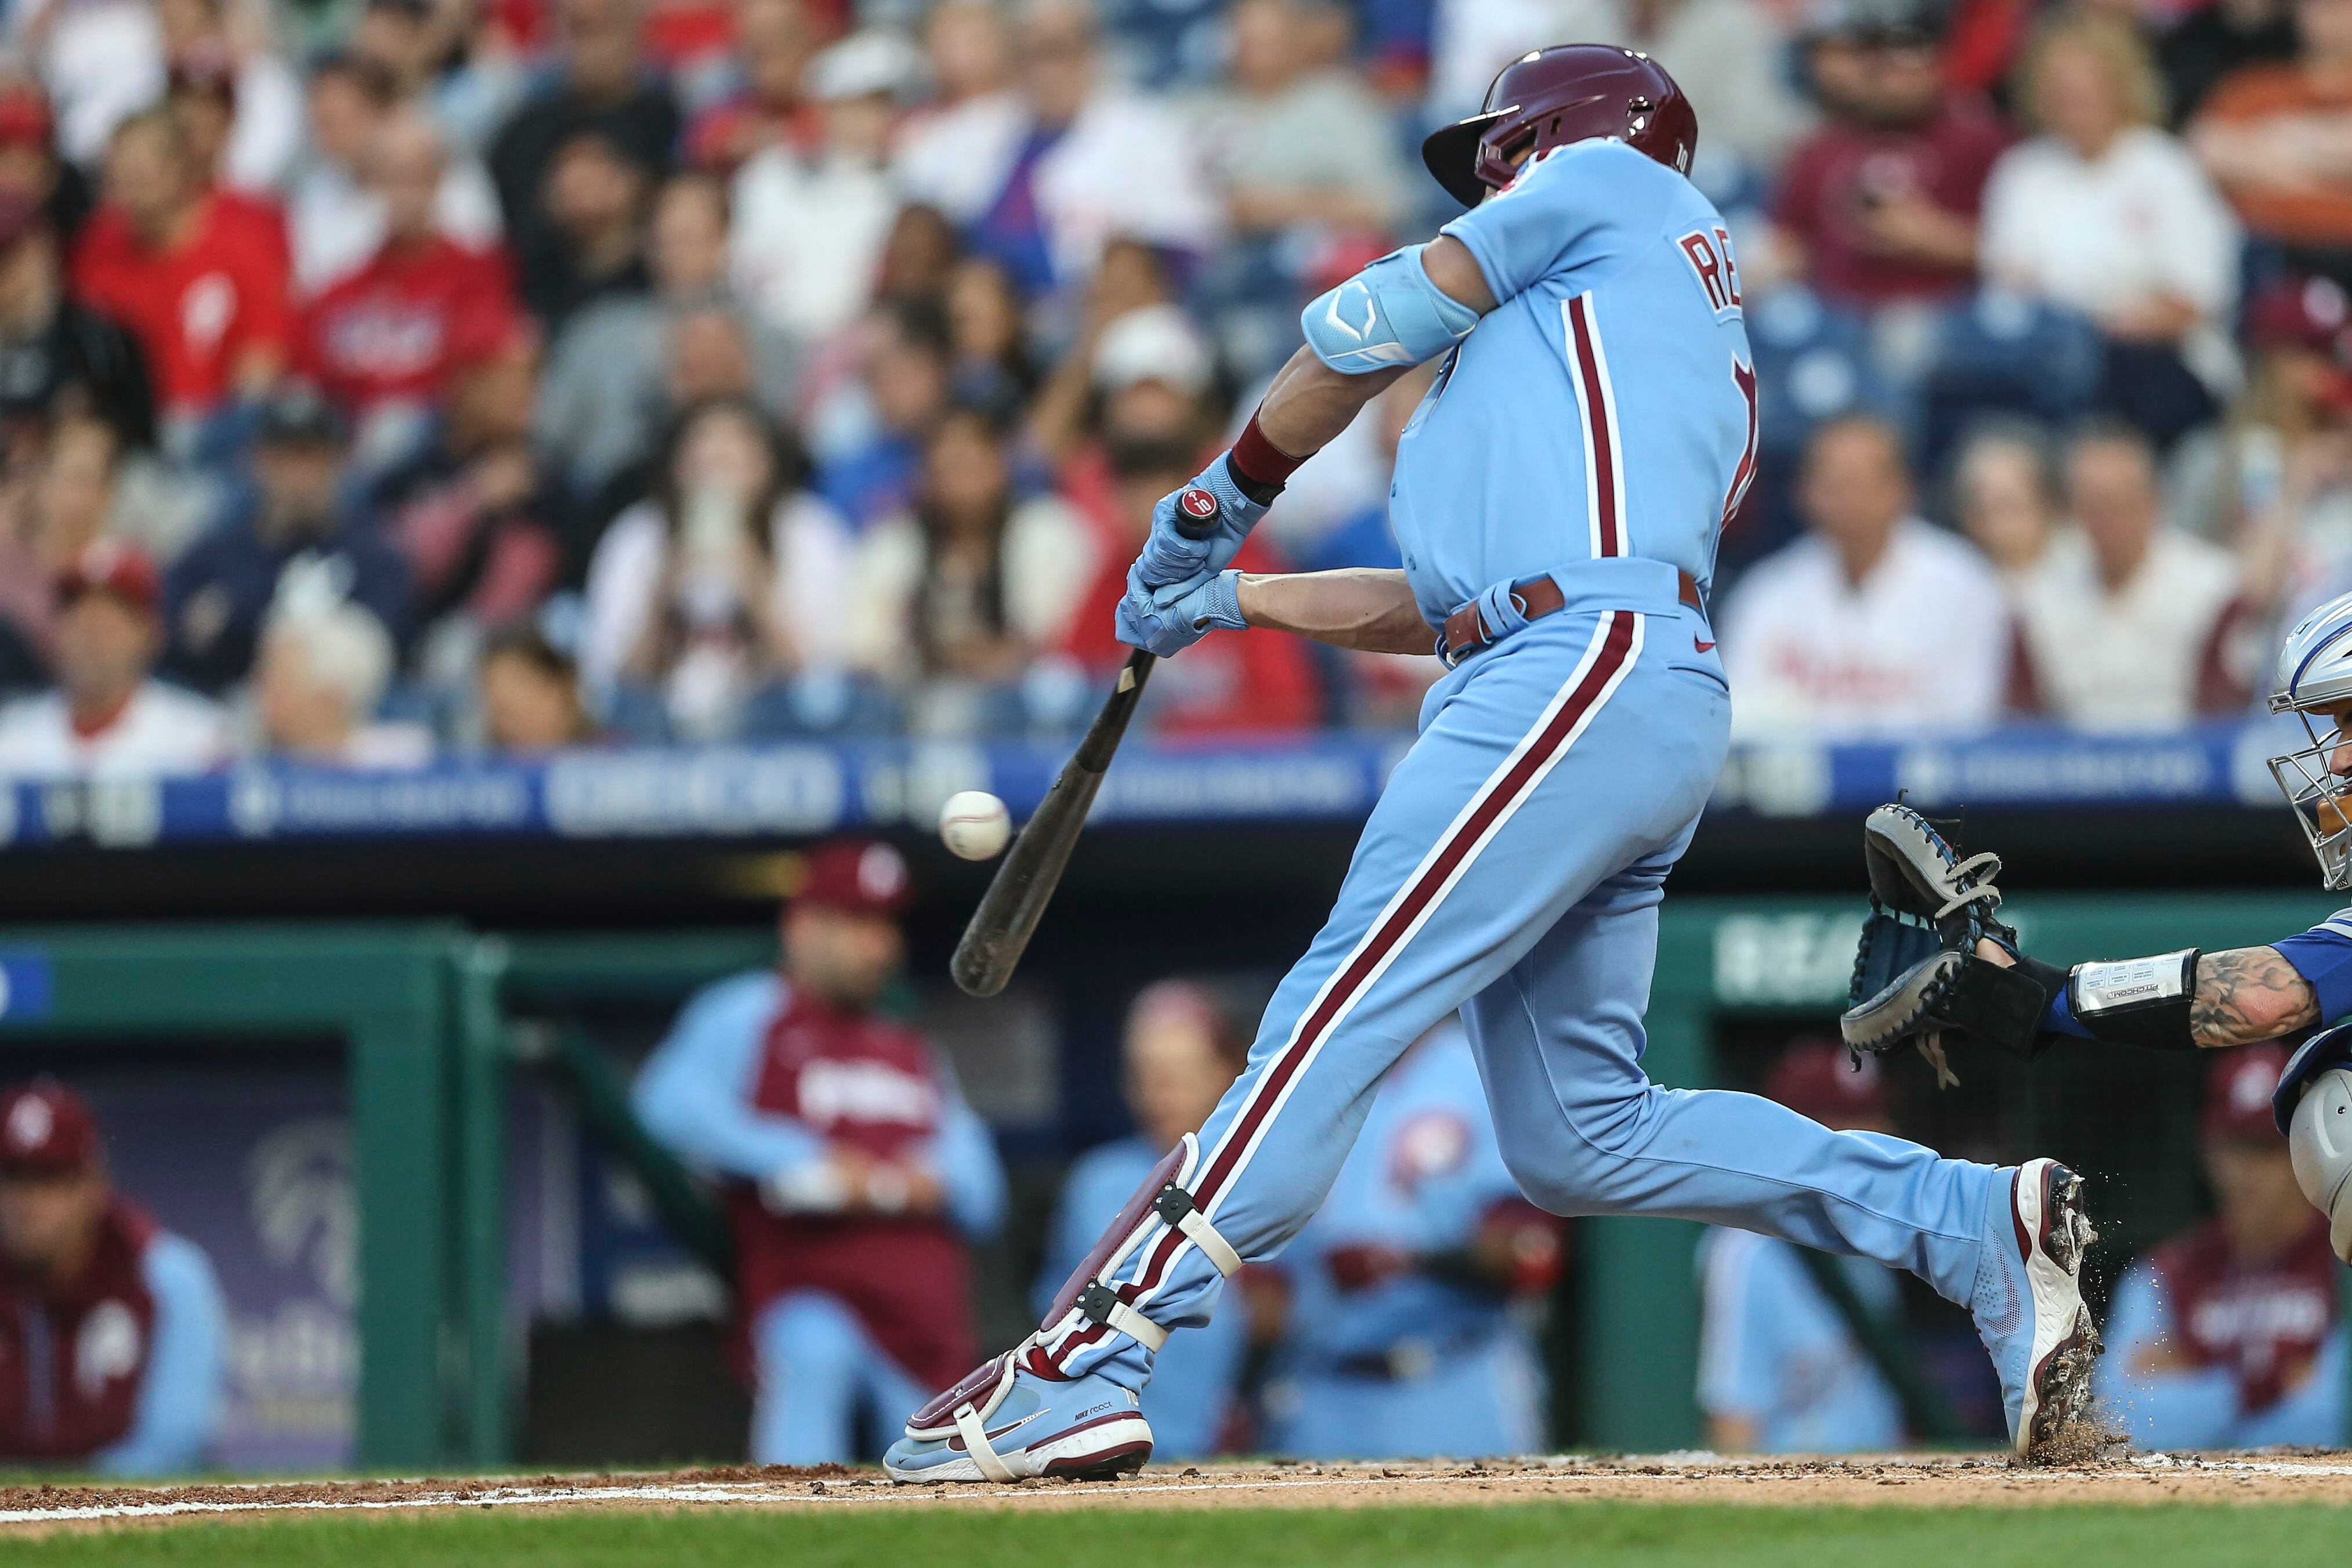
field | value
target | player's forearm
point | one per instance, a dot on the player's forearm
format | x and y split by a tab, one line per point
1310	403
2249	994
1367	608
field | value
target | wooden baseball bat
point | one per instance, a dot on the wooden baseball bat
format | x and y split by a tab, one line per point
1000	929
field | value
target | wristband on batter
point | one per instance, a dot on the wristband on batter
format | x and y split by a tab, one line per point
2136	1001
1259	468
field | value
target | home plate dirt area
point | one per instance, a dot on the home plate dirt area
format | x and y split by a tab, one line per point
1941	1479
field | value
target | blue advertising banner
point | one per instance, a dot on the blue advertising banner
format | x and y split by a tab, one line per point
797	789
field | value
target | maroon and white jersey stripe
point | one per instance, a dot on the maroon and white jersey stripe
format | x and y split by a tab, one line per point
1596	400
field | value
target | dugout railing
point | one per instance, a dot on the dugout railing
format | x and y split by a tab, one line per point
428	1015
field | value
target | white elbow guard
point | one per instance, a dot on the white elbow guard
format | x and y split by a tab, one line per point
1388	314
2319	1141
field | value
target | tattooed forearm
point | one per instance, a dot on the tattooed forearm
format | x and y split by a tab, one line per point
2249	994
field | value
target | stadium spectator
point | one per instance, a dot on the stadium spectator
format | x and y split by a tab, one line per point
852	1171
952	151
902	387
572	164
198	286
1880	204
1179	1052
1403	1335
2231	1337
1296	148
474	512
2107	215
2005	497
201	98
1876	623
112	1329
773	41
2272	136
106	716
809	225
58	357
379	342
100	64
292	510
239	102
608	390
1781	1367
60	503
591	243
2277	481
2122	619
322	671
527	694
988	336
367	154
469	67
1091	162
731	577
31	170
2214	42
956	595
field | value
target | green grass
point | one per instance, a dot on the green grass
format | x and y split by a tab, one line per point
1653	1536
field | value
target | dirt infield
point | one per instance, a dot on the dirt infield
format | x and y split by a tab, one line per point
2303	1475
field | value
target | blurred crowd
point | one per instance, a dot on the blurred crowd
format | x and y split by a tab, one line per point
381	379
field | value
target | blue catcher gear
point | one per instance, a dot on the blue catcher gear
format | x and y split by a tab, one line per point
1388	314
2314	681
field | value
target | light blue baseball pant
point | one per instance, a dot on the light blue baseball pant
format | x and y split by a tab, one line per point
817	1368
1512	870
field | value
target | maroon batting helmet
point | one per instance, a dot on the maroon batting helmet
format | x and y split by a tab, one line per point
1550	97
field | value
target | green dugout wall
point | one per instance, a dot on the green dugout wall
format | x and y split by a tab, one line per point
424	1012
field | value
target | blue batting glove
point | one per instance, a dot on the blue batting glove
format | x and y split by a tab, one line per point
1165	621
1168	557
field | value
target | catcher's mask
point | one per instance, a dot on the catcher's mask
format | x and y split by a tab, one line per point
1550	98
2314	682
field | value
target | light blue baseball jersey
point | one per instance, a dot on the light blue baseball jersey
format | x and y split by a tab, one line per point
1773	1351
1423	1174
1606	407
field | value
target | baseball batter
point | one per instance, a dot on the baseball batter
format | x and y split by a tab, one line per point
1558	496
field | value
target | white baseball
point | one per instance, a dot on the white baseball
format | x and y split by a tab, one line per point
974	825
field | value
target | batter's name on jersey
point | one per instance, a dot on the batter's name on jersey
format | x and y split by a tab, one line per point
1709	252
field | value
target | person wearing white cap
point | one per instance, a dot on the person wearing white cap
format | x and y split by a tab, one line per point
809	229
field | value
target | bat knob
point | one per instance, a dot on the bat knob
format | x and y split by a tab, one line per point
1198	512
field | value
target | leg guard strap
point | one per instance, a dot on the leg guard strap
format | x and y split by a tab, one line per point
1163	1196
974	1433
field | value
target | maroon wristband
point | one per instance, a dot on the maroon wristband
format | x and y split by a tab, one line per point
1260	462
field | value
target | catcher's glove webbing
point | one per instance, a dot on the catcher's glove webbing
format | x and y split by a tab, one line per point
1916	972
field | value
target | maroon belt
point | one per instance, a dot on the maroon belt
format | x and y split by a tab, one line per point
1466	631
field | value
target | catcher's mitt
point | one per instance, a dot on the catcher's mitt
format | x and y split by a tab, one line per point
1916	971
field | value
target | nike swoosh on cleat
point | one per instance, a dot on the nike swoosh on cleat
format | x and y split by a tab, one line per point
1702	647
1003	1431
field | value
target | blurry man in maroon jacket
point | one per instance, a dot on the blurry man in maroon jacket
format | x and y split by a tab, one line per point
1880	204
852	1172
112	1332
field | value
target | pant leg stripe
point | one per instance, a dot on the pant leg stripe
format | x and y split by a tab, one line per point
1598	674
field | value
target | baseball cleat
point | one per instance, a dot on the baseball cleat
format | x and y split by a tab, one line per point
1001	1424
2034	1322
